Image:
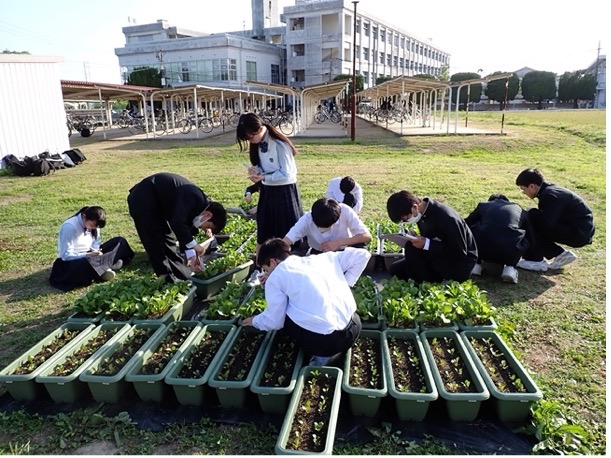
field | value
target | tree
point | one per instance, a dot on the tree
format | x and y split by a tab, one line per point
444	73
495	90
475	92
539	86
360	82
6	51
575	86
382	79
144	76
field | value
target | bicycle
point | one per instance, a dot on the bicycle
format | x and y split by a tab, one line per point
80	124
204	124
226	118
323	114
137	125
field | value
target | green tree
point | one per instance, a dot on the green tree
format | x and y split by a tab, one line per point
538	86
495	90
444	73
475	94
144	76
6	51
575	86
382	79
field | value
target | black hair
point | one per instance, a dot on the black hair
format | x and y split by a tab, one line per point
275	248
326	212
248	125
346	185
219	216
400	204
497	197
95	214
529	176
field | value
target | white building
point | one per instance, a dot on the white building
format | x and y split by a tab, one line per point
310	43
599	70
32	114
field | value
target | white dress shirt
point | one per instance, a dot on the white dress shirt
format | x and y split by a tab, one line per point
75	240
348	225
314	291
333	192
277	164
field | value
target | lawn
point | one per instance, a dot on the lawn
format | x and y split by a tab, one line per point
556	320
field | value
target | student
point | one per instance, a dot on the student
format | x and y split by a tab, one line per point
81	259
273	167
310	298
562	217
166	207
502	232
329	227
346	191
445	249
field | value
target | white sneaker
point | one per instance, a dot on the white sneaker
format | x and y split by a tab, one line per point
564	258
477	270
108	275
510	274
535	266
117	265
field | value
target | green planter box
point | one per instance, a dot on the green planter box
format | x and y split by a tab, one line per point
453	326
508	406
151	387
192	391
275	399
490	325
390	258
232	393
78	317
211	286
282	443
113	388
24	386
412	406
365	401
175	313
69	388
460	406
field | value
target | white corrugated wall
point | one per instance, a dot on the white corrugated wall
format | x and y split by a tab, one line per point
32	114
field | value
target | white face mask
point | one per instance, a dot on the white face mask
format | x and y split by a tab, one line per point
199	220
414	218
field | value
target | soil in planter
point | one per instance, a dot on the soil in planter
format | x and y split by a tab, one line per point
32	363
312	417
197	363
366	364
501	373
73	361
241	357
452	368
281	362
166	349
114	363
406	366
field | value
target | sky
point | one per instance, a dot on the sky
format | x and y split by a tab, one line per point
484	35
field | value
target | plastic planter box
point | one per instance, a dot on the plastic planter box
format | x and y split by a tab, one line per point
460	406
490	325
211	286
275	400
151	387
193	391
412	406
365	401
113	388
283	437
508	406
24	386
174	313
232	393
69	388
453	326
78	317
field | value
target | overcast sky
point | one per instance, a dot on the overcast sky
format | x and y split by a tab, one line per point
487	35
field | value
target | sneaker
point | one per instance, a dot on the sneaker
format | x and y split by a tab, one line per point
510	274
108	275
535	266
117	265
564	258
477	270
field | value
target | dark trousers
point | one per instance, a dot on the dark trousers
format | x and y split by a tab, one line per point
489	249
547	240
156	235
420	266
324	344
67	275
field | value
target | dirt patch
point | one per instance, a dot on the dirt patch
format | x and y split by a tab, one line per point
14	199
97	448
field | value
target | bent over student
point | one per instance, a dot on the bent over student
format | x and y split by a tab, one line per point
166	207
346	191
310	298
81	257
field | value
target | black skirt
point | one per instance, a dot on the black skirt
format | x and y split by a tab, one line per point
278	210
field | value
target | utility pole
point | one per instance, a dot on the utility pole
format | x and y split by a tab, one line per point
159	56
353	107
596	76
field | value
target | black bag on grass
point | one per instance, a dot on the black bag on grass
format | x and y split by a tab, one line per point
76	155
55	160
41	167
20	167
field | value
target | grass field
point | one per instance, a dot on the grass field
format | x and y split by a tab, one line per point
557	320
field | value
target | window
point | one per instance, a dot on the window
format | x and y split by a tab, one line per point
403	42
382	35
358	26
224	70
251	71
275	73
381	57
366	28
357	50
366	53
375	32
394	61
396	39
388	59
185	71
401	62
297	23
